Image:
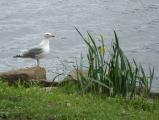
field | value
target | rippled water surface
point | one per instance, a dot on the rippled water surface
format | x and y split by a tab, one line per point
22	24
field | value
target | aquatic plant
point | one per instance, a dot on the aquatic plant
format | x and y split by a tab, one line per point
113	75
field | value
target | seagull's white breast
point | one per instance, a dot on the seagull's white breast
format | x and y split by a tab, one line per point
45	48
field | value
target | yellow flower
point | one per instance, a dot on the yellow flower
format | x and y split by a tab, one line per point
102	49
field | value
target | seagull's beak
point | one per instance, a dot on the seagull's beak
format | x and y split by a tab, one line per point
52	35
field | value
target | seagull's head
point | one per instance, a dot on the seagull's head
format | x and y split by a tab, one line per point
48	35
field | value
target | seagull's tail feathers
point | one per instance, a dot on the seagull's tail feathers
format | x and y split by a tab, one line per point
16	56
21	54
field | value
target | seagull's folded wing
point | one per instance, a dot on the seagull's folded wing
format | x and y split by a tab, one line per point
32	53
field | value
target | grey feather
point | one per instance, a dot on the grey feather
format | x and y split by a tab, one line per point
32	53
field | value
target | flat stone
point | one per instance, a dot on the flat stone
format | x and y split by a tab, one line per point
24	74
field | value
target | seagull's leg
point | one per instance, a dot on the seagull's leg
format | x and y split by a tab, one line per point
38	62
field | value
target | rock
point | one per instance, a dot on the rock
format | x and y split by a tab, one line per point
46	83
73	75
32	74
154	94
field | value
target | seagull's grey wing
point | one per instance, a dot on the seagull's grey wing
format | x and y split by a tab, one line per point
32	53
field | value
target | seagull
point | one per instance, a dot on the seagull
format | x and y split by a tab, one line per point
39	51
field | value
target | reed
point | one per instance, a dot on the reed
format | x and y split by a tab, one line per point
113	75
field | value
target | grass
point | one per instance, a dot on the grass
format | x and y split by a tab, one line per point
112	75
109	82
66	104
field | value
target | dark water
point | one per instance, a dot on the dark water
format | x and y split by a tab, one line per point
22	24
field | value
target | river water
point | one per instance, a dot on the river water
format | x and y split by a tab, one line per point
23	22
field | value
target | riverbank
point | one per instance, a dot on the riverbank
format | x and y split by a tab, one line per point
114	88
66	102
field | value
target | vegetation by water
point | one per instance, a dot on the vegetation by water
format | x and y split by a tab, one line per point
65	103
114	75
114	88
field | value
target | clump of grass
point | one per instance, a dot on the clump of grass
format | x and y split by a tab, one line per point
113	76
61	103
